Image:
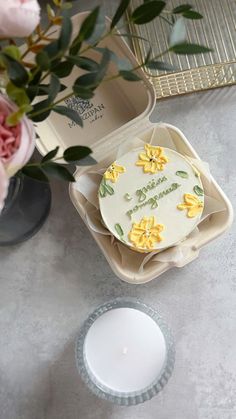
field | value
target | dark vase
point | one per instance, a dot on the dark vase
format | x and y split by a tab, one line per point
26	208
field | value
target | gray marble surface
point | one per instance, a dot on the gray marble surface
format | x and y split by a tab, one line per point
51	283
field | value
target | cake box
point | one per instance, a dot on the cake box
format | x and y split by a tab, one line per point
117	113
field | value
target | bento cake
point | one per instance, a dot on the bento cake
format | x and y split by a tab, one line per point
151	198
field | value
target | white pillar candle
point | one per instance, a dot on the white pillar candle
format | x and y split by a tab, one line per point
125	350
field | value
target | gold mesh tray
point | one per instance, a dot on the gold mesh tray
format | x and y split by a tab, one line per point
195	73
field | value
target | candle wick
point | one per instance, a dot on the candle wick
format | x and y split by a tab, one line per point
125	350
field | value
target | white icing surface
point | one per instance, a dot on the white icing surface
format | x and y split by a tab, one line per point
177	225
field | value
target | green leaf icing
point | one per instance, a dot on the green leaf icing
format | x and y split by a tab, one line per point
182	174
108	189
198	191
105	189
102	191
119	229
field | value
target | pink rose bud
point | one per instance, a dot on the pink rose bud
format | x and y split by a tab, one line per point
18	18
4	181
16	143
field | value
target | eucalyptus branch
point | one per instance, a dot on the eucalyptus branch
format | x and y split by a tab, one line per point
51	106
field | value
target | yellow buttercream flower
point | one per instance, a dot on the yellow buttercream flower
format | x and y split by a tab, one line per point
153	160
145	233
192	204
113	172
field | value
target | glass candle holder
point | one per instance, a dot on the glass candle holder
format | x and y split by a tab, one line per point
125	352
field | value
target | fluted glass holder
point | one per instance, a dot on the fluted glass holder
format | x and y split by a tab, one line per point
125	398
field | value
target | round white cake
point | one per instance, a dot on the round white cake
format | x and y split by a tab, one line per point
151	198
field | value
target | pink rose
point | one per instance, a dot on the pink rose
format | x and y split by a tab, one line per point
18	18
3	185
16	143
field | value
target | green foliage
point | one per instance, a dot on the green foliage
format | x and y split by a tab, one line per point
17	94
75	153
50	155
119	12
16	71
35	172
189	49
69	113
15	117
182	8
160	65
85	63
147	12
191	14
129	75
55	56
57	171
43	60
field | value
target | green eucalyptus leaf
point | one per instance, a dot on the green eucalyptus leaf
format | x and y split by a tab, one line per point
83	62
17	94
178	34
35	173
62	69
186	49
43	60
147	12
16	71
121	63
65	34
93	79
131	36
57	171
54	88
50	155
35	77
198	191
13	51
89	81
83	92
99	27
52	49
182	174
42	89
129	75
69	113
148	56
119	12
182	8
40	117
42	108
87	161
191	14
75	153
15	117
160	65
88	25
104	64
